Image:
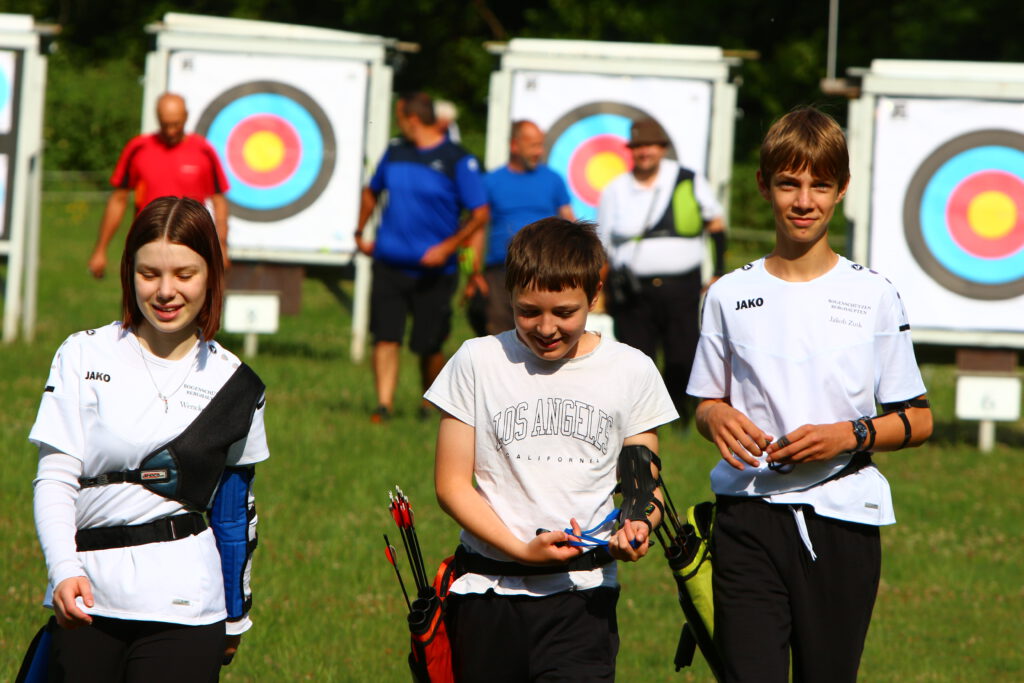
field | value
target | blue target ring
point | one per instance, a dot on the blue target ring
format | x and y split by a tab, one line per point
951	170
933	215
268	100
582	146
264	198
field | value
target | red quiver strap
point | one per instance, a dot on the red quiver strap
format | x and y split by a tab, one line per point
430	658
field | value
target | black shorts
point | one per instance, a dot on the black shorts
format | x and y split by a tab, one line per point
428	298
570	636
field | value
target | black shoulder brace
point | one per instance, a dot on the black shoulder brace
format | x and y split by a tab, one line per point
638	484
188	468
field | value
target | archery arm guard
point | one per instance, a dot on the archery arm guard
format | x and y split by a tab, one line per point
900	408
233	519
638	485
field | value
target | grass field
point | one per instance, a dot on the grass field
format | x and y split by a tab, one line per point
327	607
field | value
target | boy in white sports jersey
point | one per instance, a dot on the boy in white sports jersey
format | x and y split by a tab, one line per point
795	349
538	416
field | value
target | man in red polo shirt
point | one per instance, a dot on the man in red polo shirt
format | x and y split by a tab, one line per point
169	162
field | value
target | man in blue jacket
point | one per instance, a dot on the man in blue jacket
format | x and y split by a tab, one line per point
429	181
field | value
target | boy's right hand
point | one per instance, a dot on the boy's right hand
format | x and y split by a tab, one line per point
738	439
550	547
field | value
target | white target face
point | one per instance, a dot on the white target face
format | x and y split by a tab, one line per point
587	119
9	67
289	132
947	213
7	90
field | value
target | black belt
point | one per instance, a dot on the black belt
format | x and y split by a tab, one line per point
467	562
165	529
659	280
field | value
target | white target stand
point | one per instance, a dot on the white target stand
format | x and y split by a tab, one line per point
22	93
299	115
988	389
251	314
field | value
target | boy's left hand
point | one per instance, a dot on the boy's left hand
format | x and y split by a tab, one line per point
621	544
811	443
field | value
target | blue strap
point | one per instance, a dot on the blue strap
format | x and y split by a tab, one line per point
586	539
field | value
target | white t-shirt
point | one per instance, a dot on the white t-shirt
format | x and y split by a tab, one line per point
100	413
548	436
627	209
793	353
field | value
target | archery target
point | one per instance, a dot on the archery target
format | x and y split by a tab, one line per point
587	120
947	220
964	214
277	147
587	147
289	132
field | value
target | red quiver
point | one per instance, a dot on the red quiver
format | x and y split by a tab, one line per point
430	658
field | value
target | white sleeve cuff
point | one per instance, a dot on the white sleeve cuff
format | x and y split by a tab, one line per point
56	491
239	626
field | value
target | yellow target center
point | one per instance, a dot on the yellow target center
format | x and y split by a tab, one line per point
263	151
603	167
992	214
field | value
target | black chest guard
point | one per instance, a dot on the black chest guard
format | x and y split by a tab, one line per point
189	467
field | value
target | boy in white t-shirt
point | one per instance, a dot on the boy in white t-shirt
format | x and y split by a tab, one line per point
538	416
795	348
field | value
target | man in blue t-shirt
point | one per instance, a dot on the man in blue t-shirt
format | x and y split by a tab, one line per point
429	182
523	191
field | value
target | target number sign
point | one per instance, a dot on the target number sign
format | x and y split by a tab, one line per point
277	146
963	214
587	147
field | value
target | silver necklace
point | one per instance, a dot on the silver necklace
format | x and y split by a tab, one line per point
166	397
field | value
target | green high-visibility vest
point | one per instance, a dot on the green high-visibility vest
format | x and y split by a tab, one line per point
682	217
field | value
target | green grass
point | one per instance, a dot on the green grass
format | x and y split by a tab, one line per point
327	604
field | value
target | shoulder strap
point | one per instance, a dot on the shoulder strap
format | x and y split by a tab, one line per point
188	468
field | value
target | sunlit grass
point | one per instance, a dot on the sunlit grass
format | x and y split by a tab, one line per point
327	605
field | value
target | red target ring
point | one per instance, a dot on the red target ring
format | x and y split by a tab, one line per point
264	150
595	163
985	214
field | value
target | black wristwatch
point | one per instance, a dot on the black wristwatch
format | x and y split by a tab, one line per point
860	432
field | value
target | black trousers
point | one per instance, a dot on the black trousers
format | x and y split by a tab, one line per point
666	315
125	651
571	636
771	597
